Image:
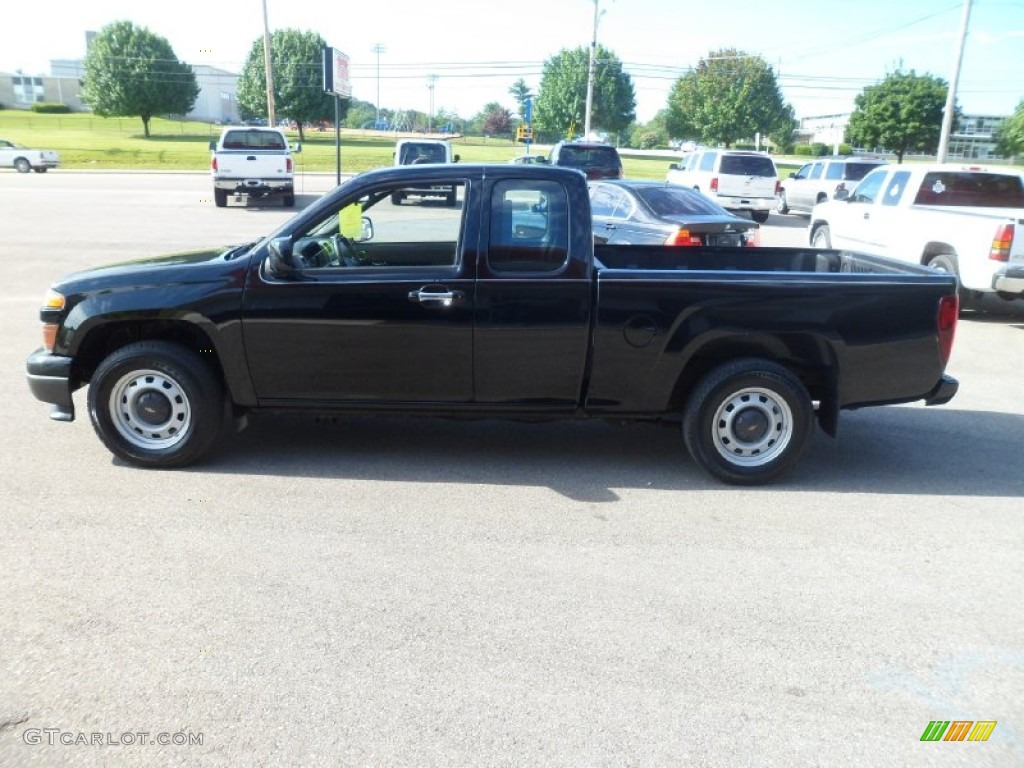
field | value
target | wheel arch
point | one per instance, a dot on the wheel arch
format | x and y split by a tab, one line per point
935	248
809	357
102	340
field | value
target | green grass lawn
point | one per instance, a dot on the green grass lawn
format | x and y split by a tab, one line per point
85	141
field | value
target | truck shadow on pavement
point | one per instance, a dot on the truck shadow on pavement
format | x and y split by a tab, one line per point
893	450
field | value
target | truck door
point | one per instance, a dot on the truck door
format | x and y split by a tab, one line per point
533	297
360	317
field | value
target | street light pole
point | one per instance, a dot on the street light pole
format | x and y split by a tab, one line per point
590	73
431	79
379	48
947	114
271	117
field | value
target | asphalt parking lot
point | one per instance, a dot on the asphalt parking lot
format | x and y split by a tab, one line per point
415	592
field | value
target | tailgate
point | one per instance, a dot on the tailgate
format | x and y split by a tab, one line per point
247	164
746	186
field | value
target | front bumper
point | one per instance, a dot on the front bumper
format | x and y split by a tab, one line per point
49	379
943	392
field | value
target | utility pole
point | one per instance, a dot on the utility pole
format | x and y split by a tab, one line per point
268	66
431	80
954	79
379	48
590	73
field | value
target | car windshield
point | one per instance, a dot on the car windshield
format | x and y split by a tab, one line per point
747	165
669	201
422	153
971	188
588	157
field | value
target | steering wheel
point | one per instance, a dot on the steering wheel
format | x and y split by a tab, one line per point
346	251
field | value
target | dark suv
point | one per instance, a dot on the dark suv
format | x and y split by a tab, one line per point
596	159
820	179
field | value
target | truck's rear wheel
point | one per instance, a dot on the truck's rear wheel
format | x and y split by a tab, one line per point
220	197
155	404
289	200
759	216
748	422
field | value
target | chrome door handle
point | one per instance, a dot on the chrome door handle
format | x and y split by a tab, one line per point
443	298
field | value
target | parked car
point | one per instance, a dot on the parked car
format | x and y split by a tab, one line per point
423	152
738	180
252	163
595	158
529	160
502	308
964	220
23	159
821	180
657	213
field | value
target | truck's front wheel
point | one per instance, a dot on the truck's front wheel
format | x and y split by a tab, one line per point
748	421
155	404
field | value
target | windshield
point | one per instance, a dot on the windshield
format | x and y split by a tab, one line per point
747	165
422	153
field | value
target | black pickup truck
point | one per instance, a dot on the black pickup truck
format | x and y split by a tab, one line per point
499	307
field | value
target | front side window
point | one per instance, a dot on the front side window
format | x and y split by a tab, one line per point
867	191
382	229
529	227
816	171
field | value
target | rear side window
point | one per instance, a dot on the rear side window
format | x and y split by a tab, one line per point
529	229
747	165
707	161
678	201
254	140
971	188
857	171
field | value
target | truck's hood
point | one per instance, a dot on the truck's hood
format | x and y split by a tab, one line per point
190	266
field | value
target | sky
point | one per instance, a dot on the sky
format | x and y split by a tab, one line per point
824	52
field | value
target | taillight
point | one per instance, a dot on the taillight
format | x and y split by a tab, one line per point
949	310
753	238
714	185
683	237
778	188
213	163
1002	243
288	164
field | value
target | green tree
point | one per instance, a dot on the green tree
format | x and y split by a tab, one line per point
902	113
559	108
520	91
728	97
1010	136
650	135
296	58
781	136
130	71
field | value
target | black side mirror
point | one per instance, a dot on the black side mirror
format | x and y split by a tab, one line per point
842	194
673	166
280	261
455	159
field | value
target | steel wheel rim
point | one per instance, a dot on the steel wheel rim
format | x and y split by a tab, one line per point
131	408
737	412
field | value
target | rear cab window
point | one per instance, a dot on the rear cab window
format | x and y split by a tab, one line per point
254	140
529	227
970	189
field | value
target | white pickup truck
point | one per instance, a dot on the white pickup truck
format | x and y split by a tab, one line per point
968	221
23	159
254	163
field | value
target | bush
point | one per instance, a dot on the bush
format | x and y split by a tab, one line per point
49	108
845	149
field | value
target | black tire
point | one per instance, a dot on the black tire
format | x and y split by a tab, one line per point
451	200
220	197
22	165
782	207
748	422
166	382
396	198
40	170
289	200
821	237
760	216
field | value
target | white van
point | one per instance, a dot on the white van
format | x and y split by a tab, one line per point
737	180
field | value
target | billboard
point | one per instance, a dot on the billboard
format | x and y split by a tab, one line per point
335	64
